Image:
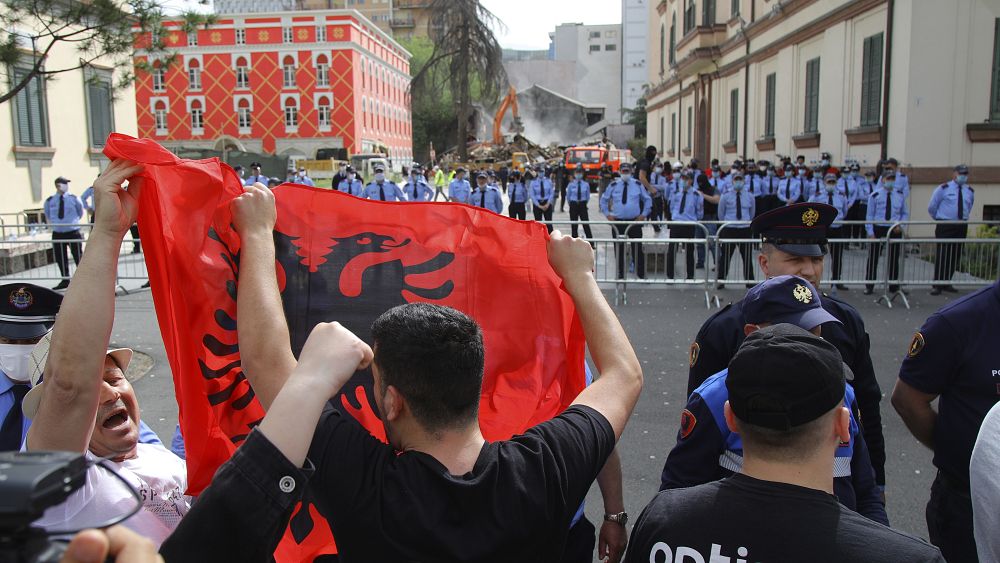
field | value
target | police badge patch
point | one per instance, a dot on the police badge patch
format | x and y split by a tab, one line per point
693	354
21	299
688	422
916	345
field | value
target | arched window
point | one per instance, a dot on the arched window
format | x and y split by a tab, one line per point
288	71
159	77
194	75
322	71
291	113
160	117
243	114
242	73
323	108
197	116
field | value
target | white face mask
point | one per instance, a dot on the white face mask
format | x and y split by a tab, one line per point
379	177
350	176
15	361
658	170
677	175
626	177
738	184
63	188
578	176
831	187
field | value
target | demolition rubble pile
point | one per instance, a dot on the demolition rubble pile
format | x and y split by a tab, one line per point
489	152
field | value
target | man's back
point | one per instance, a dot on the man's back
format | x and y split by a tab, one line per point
515	505
768	522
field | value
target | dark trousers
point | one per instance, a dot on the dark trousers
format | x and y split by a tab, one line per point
580	542
681	231
578	212
543	215
632	231
439	191
875	251
562	197
948	254
657	213
517	211
75	247
857	212
729	248
949	521
837	250
136	245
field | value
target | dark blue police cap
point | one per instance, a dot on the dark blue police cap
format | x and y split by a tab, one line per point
798	229
27	311
785	299
962	169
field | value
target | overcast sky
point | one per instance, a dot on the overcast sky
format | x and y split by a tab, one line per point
530	21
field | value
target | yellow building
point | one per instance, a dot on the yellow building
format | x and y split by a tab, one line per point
860	79
402	19
58	126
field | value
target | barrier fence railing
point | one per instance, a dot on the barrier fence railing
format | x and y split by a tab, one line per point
888	264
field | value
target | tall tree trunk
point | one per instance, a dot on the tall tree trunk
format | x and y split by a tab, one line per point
464	96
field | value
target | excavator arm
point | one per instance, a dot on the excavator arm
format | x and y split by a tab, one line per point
509	103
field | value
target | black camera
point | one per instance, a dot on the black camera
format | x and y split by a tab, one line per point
31	482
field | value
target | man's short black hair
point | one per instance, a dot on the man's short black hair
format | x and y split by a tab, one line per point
434	356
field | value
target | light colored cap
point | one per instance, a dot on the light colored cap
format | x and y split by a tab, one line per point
29	405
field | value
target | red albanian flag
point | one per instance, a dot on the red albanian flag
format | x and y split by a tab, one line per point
345	259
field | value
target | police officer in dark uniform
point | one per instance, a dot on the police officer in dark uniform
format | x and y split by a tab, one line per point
954	359
794	242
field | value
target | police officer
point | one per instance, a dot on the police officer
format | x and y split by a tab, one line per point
953	358
578	192
755	185
901	182
951	201
835	197
63	211
736	205
625	199
273	182
706	450
710	194
485	195
770	183
255	175
301	177
864	188
792	187
885	207
27	313
793	242
543	196
716	180
518	194
381	189
658	184
416	187
686	204
351	184
848	184
459	189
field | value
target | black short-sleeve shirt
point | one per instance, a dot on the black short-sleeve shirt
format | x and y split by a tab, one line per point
956	355
515	505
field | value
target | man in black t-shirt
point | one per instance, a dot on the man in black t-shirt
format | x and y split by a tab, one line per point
437	491
786	390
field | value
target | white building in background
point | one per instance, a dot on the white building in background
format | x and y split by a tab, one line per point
596	51
860	79
635	50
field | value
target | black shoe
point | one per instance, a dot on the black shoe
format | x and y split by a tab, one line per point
62	285
869	291
720	286
950	289
842	287
936	291
136	251
145	285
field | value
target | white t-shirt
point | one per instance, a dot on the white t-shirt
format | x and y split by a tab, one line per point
158	475
984	482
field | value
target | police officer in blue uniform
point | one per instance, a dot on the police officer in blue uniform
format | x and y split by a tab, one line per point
736	205
706	450
63	211
658	182
256	176
794	242
951	201
381	189
954	358
485	195
543	197
351	184
687	203
518	194
831	195
27	314
578	194
459	189
416	187
886	206
625	199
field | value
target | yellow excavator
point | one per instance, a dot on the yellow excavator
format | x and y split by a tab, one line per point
518	159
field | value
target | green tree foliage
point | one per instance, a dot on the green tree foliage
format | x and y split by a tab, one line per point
432	108
95	29
637	117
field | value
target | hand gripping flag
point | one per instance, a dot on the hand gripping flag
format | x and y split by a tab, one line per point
345	259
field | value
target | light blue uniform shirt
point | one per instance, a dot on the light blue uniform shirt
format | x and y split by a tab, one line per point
389	191
902	184
72	213
944	202
637	200
88	198
542	190
578	190
354	187
728	207
7	403
769	185
876	210
840	201
660	182
304	180
790	190
459	190
489	198
693	208
517	192
251	180
419	191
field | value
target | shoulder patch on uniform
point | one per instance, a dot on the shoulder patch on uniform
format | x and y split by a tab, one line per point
693	354
688	422
916	345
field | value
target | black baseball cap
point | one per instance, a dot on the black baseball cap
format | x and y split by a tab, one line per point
786	299
783	376
273	181
61	180
798	229
962	169
481	175
254	165
27	311
379	168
